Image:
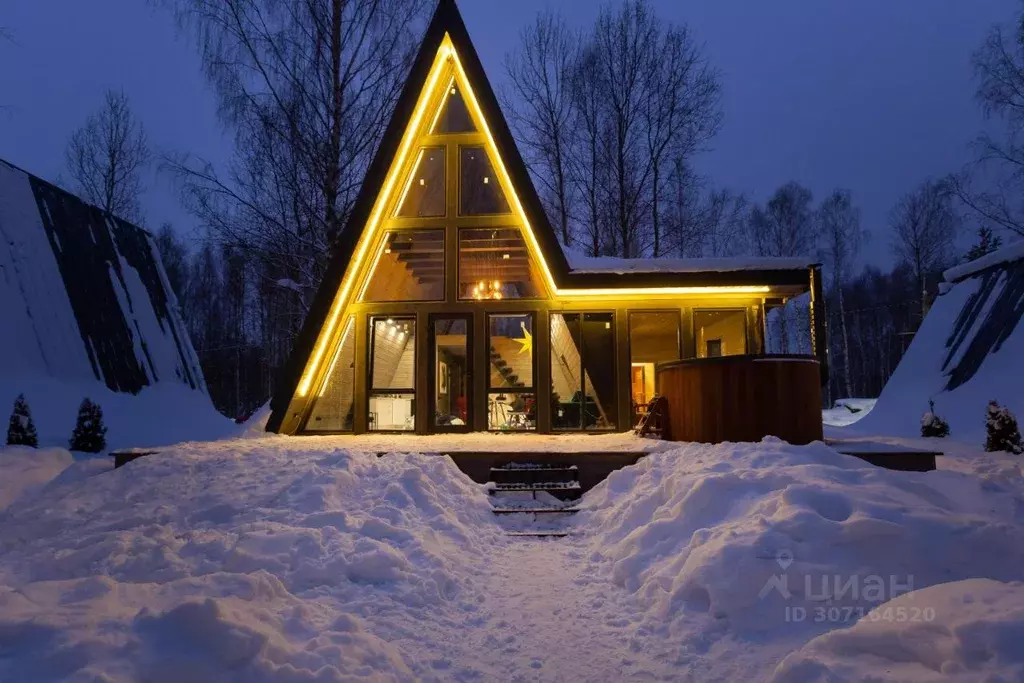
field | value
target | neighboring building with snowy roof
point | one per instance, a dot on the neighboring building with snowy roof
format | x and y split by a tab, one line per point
449	304
969	350
85	306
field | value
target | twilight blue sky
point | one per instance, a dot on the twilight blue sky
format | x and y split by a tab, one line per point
872	95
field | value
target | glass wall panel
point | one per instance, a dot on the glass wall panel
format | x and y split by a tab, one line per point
511	402
479	191
653	338
423	194
494	263
453	116
451	368
409	267
720	333
583	392
333	409
392	374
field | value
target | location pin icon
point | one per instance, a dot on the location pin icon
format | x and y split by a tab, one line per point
784	558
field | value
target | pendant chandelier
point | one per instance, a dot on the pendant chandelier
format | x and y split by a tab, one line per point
487	290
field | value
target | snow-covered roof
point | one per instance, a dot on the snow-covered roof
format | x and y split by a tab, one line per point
83	295
611	264
1009	253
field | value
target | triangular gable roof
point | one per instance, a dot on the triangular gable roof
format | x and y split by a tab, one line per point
446	21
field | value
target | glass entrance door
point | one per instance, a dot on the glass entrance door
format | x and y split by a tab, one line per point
451	375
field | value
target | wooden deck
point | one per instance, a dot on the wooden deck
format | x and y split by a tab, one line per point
889	456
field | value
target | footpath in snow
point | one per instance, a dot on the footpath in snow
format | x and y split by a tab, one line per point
276	559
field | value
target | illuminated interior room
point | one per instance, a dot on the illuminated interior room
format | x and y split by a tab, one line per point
449	304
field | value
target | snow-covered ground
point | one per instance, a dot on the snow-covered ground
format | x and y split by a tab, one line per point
313	559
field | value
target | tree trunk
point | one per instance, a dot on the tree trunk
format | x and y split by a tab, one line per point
654	212
846	345
333	176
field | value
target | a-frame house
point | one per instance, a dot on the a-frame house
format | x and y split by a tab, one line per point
449	304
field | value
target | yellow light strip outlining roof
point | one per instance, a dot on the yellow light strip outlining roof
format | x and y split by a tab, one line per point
408	140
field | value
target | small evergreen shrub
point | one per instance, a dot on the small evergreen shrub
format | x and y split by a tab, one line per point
932	424
90	435
1002	432
21	431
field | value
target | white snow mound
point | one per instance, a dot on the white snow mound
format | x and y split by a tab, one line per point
959	632
744	532
254	563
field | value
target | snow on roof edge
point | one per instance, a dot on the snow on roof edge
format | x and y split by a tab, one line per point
579	263
1007	254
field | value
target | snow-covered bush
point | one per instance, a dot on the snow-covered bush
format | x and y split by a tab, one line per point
1002	432
90	435
21	431
932	424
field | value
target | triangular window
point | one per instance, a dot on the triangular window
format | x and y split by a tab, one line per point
452	115
424	193
333	408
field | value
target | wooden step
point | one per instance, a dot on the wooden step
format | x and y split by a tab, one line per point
534	474
537	511
519	487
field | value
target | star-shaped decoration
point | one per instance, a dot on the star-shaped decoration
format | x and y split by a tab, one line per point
526	342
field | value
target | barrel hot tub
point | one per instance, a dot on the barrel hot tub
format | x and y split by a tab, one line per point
742	398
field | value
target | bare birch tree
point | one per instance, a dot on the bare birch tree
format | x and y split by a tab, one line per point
306	88
842	237
540	106
787	225
924	226
107	156
999	72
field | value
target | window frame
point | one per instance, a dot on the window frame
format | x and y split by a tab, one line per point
723	309
370	353
380	252
458	263
583	366
532	389
424	146
482	146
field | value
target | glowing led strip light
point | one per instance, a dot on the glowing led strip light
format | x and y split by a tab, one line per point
382	201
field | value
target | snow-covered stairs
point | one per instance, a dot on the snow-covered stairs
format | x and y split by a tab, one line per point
534	499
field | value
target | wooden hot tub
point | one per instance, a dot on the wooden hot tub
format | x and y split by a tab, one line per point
742	398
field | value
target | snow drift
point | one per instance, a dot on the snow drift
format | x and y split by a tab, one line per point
254	563
958	632
744	534
968	351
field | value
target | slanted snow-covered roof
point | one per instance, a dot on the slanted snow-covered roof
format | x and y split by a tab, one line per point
1009	253
579	263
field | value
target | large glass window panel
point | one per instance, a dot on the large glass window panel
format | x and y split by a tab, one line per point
653	338
409	267
583	371
333	409
424	192
392	374
511	401
451	368
479	191
599	371
720	333
453	115
494	263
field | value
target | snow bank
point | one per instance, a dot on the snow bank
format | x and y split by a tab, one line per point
23	469
847	411
256	561
964	631
162	414
747	533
